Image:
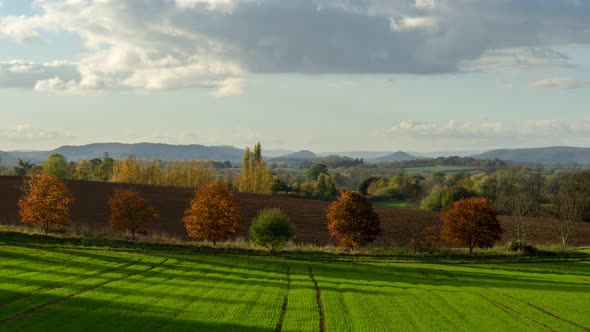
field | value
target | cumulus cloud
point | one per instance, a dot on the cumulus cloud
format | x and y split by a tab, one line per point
171	44
25	74
474	134
560	83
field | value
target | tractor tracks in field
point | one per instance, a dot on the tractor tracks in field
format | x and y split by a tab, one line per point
507	307
64	284
319	300
65	298
279	326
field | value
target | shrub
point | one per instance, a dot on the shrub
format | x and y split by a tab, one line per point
131	212
352	221
521	247
46	202
213	213
472	222
271	229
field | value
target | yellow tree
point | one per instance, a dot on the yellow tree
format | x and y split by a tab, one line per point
255	176
213	213
46	203
131	212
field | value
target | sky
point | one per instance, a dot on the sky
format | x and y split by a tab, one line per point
323	75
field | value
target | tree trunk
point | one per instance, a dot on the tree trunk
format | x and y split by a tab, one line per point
133	235
470	250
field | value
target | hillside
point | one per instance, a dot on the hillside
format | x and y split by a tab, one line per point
140	150
396	156
299	155
548	155
90	211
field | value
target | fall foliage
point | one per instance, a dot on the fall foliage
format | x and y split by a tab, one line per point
352	221
131	212
471	222
255	176
213	213
46	203
193	173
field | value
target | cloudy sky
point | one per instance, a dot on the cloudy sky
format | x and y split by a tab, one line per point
325	75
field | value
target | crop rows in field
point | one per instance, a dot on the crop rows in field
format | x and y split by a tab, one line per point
59	289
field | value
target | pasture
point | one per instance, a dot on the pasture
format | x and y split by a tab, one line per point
56	286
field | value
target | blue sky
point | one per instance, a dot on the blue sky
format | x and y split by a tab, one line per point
325	75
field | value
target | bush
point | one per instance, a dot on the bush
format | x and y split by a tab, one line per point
521	247
271	229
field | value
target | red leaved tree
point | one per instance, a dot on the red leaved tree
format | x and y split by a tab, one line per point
352	221
46	202
472	222
213	213
131	212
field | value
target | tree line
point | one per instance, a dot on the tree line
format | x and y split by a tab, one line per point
213	214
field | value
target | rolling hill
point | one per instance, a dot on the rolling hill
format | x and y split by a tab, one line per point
547	155
396	156
140	150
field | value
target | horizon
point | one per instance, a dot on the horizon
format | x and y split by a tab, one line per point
301	150
412	75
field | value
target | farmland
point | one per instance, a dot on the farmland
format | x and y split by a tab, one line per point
90	213
55	286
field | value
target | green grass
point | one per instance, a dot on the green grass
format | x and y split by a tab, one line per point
53	285
392	204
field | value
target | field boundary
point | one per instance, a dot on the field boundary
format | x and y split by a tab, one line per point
279	327
65	298
319	300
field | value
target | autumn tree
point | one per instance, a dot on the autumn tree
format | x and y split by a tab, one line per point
352	221
46	203
271	229
213	213
471	222
255	177
131	212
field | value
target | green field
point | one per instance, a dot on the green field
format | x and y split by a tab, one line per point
57	287
392	204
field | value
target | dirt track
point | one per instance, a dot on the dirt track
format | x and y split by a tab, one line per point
91	210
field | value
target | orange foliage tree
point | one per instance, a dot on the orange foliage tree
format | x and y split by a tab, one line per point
131	212
471	222
352	221
213	213
46	202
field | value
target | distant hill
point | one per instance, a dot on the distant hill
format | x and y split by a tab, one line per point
436	154
548	155
396	156
139	150
301	155
366	155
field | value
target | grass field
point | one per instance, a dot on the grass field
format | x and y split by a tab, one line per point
392	204
50	286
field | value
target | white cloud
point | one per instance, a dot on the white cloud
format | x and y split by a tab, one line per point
473	134
58	87
229	87
410	23
560	83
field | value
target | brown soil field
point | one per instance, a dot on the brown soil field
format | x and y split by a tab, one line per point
91	210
